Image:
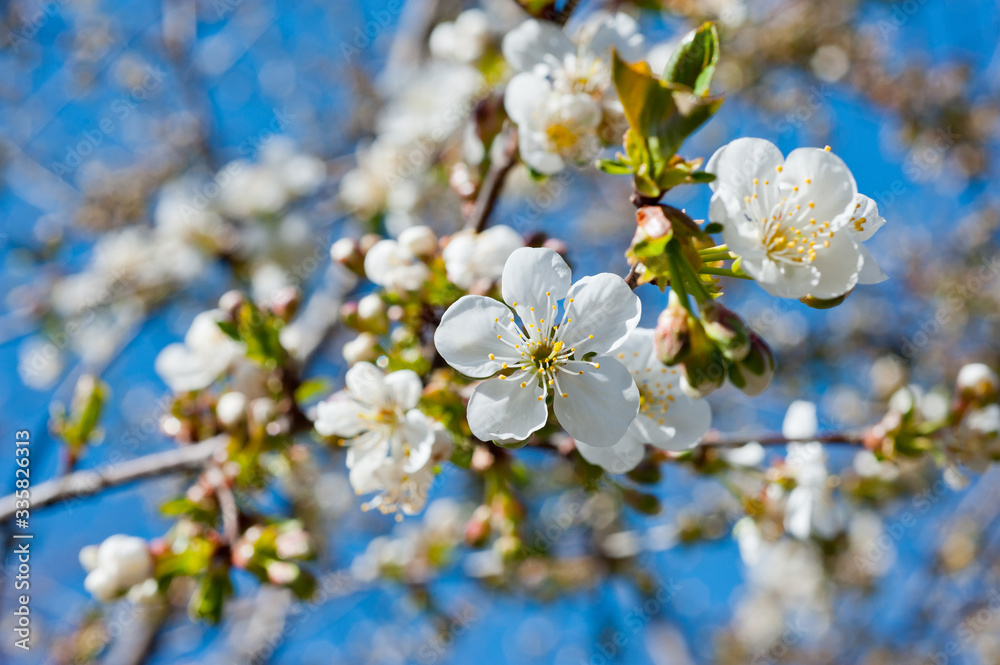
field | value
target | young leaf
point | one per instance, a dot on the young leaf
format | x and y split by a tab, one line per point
693	61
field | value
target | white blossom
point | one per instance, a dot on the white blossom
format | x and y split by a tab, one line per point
978	380
464	40
797	222
206	353
392	265
119	563
378	418
810	508
231	408
593	394
362	348
553	127
668	417
471	256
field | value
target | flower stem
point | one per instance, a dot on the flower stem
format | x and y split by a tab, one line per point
721	255
677	280
723	272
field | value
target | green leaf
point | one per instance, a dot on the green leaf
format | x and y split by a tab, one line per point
230	329
693	62
702	177
713	227
311	388
661	115
614	166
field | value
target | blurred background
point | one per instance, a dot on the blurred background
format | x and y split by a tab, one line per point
118	115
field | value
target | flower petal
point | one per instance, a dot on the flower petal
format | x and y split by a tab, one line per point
601	312
500	409
737	163
839	266
414	439
863	219
467	336
637	352
783	279
600	403
621	32
870	273
525	97
341	416
824	183
529	274
683	424
535	152
619	458
405	387
535	43
366	383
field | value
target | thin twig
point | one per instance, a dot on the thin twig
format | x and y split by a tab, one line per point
92	481
489	192
718	440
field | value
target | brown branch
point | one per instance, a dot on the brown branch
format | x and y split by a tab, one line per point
718	440
489	192
92	481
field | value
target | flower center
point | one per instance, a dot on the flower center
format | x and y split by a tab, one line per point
543	353
788	230
561	137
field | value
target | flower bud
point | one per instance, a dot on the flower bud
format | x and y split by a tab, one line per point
753	374
349	314
672	334
285	302
704	365
231	302
419	240
726	329
977	383
347	252
372	314
478	528
363	348
231	408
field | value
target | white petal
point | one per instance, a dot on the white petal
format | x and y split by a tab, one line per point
619	458
863	218
637	352
784	280
369	449
838	266
414	439
800	420
603	312
823	179
468	333
600	404
500	409
536	154
684	424
870	273
621	32
405	387
737	163
798	513
183	370
366	383
530	273
525	97
535	43
341	416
